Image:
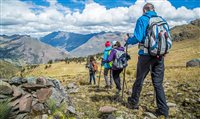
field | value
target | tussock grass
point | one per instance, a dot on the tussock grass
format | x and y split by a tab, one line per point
5	110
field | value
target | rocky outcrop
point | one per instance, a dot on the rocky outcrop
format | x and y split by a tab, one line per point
196	22
193	63
34	96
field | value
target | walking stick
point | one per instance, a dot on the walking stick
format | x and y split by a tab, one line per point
99	77
124	77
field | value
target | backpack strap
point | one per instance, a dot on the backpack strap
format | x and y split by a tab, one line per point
141	45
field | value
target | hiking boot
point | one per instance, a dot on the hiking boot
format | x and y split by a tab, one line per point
117	92
158	113
110	87
131	105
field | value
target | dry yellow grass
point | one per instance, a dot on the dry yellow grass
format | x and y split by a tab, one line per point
57	70
90	98
180	53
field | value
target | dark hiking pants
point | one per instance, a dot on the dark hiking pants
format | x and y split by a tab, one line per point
92	77
116	78
157	74
106	71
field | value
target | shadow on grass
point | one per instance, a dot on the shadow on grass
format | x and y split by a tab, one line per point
82	83
97	89
110	98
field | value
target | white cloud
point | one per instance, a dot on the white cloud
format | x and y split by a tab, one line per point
28	18
52	2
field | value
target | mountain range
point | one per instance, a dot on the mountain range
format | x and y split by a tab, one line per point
65	40
60	44
23	49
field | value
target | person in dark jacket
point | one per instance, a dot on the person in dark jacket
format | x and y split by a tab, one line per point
91	66
147	63
116	72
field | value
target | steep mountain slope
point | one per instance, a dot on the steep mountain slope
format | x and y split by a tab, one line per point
187	31
66	41
24	49
96	44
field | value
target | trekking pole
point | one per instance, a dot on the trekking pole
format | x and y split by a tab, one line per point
99	77
124	77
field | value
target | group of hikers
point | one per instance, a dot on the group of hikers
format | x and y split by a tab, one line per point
153	36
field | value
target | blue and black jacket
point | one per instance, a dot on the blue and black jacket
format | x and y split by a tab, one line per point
140	32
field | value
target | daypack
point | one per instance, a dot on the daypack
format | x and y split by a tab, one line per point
158	40
95	67
91	66
121	60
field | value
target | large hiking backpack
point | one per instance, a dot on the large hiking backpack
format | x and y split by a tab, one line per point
121	60
158	40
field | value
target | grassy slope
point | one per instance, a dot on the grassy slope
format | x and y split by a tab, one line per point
181	84
7	69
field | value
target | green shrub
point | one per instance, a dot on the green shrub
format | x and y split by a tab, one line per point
51	105
57	111
5	110
50	61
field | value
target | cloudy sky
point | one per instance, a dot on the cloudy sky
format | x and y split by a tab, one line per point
40	17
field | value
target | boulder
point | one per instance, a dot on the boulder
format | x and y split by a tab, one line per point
3	96
73	91
24	80
71	109
57	96
16	108
25	103
15	102
15	81
33	86
110	116
71	86
31	80
5	88
171	104
22	116
107	109
193	63
16	91
57	84
43	94
35	101
41	81
39	107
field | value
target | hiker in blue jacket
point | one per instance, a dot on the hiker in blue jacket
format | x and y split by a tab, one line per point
107	66
115	71
147	63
